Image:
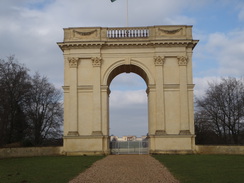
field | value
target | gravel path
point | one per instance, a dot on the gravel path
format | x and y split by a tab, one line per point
126	169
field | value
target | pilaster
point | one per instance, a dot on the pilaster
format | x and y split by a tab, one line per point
184	114
152	123
160	116
105	110
73	105
97	113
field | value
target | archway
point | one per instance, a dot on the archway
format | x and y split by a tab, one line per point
128	106
139	72
128	115
161	55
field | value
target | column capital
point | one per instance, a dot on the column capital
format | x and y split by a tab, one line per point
73	62
159	61
96	61
182	60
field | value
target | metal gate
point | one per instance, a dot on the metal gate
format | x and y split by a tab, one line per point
129	147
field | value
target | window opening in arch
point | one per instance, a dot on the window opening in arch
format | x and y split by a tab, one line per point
128	106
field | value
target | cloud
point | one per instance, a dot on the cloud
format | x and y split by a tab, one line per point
121	99
128	113
228	50
240	6
202	84
124	81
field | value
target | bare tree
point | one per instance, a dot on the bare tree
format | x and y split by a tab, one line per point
222	108
205	129
45	112
14	87
30	107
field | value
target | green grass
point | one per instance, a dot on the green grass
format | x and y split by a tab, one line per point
205	168
58	169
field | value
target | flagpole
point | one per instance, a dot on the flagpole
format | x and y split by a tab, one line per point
127	14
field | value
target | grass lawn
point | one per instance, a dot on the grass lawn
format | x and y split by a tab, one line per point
58	169
205	168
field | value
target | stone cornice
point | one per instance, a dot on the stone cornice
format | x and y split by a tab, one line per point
119	44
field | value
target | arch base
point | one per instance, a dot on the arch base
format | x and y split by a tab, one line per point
86	145
172	144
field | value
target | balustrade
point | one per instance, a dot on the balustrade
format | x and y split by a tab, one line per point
128	33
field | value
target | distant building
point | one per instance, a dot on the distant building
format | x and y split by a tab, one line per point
127	138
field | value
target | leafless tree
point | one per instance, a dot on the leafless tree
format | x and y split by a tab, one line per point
30	107
222	109
14	87
45	112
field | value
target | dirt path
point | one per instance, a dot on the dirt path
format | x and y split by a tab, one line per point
126	169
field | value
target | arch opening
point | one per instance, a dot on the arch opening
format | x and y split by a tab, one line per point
128	113
127	69
128	110
128	106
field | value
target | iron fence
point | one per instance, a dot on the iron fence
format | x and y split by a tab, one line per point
129	147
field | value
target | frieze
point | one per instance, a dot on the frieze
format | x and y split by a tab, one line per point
158	60
170	31
73	62
96	61
182	61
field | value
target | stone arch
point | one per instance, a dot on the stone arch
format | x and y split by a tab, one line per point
120	67
161	55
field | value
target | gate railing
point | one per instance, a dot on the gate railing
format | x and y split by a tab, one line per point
129	147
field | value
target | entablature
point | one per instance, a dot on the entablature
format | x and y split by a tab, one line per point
152	36
113	44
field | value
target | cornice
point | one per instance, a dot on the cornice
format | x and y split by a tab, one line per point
120	44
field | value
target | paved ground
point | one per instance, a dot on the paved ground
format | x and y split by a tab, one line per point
126	169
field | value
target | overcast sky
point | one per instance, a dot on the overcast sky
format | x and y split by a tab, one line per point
29	29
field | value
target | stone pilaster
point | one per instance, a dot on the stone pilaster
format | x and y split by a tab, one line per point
73	105
105	109
184	113
97	113
160	116
152	123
